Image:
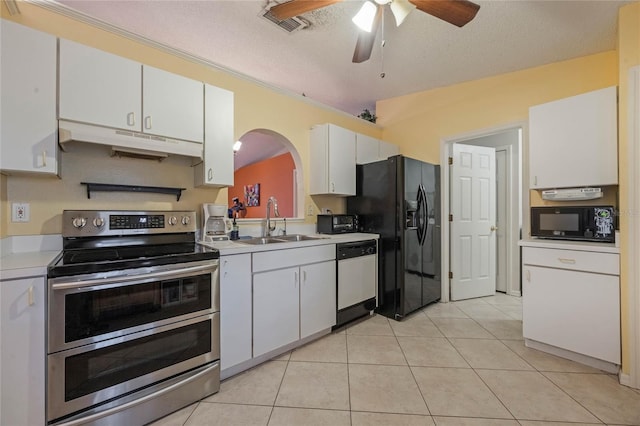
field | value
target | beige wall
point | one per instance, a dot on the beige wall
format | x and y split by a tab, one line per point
256	106
3	206
629	56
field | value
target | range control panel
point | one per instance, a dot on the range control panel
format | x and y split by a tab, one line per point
87	223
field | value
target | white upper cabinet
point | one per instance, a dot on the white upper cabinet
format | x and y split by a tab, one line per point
386	150
333	160
28	134
370	149
99	88
217	166
173	105
366	149
573	142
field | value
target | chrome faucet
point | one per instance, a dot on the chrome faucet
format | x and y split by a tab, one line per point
269	228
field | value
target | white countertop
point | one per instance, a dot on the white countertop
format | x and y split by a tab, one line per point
27	255
570	245
237	247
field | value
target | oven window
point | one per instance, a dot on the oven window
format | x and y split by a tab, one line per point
96	312
560	222
99	369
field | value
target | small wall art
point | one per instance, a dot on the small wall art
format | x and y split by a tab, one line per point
252	195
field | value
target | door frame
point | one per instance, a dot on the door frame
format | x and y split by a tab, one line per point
517	207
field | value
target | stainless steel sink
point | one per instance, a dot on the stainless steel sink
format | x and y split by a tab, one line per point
297	237
261	241
279	239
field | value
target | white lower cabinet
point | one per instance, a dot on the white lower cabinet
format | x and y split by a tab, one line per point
317	298
276	307
571	300
235	309
22	351
294	295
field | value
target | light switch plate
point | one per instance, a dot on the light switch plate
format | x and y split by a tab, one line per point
20	212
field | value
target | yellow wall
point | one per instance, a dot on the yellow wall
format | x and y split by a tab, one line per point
418	122
629	56
256	106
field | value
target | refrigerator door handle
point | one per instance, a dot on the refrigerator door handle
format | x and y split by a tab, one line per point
419	219
424	216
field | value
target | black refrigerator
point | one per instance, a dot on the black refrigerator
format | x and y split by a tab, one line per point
399	198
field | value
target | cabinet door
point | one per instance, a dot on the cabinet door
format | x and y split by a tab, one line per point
99	88
275	309
573	142
366	149
577	311
317	297
387	150
173	105
22	351
235	309
342	161
28	135
217	167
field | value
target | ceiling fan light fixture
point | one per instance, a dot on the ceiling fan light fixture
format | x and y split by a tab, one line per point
365	16
400	10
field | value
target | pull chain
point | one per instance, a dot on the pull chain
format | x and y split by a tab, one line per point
382	43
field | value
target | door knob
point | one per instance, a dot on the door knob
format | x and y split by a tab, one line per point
494	228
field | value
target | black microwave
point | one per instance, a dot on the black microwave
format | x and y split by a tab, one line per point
586	223
337	223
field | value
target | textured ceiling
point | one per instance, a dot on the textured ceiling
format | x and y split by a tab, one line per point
423	53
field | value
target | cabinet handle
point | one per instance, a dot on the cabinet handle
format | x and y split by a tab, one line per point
147	122
44	158
210	174
567	261
131	119
295	280
30	296
333	187
304	276
528	275
535	180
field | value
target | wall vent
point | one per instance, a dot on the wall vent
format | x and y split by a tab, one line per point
289	25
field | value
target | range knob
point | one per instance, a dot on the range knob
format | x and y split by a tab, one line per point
98	222
173	220
185	220
79	222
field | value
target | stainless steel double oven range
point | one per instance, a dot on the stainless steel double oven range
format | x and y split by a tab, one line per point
133	318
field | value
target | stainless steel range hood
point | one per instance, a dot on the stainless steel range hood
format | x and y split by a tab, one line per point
126	140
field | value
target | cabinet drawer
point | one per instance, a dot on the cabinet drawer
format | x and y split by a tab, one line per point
587	261
276	259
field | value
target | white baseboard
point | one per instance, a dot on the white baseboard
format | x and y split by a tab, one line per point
609	367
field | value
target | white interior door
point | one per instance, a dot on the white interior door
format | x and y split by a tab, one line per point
473	224
502	177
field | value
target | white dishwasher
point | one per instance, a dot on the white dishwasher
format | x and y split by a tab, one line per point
357	281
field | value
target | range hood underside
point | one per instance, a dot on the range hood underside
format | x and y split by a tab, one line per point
125	140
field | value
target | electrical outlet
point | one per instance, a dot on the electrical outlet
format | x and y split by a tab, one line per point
20	212
310	210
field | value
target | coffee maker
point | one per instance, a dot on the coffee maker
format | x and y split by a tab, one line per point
216	225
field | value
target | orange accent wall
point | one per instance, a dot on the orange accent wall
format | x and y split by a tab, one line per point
275	177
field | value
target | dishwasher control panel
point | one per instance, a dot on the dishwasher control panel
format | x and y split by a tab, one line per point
355	249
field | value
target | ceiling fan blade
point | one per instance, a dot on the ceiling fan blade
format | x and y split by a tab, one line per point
298	7
456	12
366	40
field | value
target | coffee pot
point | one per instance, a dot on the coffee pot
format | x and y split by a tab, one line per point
216	224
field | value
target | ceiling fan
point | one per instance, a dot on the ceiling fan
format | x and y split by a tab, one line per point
456	12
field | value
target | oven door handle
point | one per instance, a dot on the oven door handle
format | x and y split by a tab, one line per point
137	277
99	415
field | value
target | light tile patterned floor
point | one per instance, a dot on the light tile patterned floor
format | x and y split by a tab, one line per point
453	364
